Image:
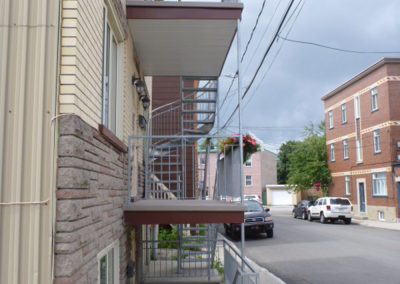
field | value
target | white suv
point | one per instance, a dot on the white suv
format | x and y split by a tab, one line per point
331	208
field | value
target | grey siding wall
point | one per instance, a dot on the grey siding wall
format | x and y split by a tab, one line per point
91	190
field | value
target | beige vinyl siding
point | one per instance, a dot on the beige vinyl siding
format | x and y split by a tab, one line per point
81	59
28	74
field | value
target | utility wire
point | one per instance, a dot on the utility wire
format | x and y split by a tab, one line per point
227	93
254	28
262	61
262	37
268	49
279	49
335	48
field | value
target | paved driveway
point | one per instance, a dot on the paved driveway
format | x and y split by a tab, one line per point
304	252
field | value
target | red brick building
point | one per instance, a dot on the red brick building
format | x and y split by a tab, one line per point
362	119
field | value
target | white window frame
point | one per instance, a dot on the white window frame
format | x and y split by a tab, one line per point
374	99
359	152
114	247
345	149
347	185
357	109
377	141
379	184
330	115
344	113
249	162
112	104
381	215
251	180
332	147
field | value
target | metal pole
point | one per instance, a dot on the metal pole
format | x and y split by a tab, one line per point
240	132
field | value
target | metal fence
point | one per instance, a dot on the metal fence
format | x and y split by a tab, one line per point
162	260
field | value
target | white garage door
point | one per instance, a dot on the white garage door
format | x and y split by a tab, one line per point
281	197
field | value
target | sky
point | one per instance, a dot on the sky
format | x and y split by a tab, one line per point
286	95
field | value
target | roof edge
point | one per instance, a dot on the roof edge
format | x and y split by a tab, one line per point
360	75
199	4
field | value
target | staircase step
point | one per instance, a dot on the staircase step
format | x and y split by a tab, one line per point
168	181
199	121
198	111
166	172
199	101
167	164
194	131
193	246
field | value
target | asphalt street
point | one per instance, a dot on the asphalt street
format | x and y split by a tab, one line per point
309	252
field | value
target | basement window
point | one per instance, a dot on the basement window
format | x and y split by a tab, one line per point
108	264
381	216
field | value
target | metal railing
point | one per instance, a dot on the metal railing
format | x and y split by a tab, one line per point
162	260
238	270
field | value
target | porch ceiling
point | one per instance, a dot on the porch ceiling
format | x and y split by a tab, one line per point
182	38
182	212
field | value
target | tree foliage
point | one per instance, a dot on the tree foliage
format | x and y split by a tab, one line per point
308	163
283	160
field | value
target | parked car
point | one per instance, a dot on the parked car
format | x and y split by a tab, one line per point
301	209
256	220
252	197
331	208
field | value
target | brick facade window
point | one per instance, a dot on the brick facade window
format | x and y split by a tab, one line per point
249	180
347	185
249	163
374	99
330	114
332	152
377	141
379	187
359	151
357	107
345	149
344	113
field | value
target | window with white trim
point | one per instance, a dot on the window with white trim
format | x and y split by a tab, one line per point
379	187
249	162
344	113
381	216
330	114
359	151
357	107
111	66
108	264
347	185
345	149
377	141
249	180
332	152
374	99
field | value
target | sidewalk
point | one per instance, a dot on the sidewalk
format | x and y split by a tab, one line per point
377	224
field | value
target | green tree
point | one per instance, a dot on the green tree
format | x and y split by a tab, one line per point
308	163
283	160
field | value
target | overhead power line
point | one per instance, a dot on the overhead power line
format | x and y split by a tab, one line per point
268	49
253	30
262	61
335	48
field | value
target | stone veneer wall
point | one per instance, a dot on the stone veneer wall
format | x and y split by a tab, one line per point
91	190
